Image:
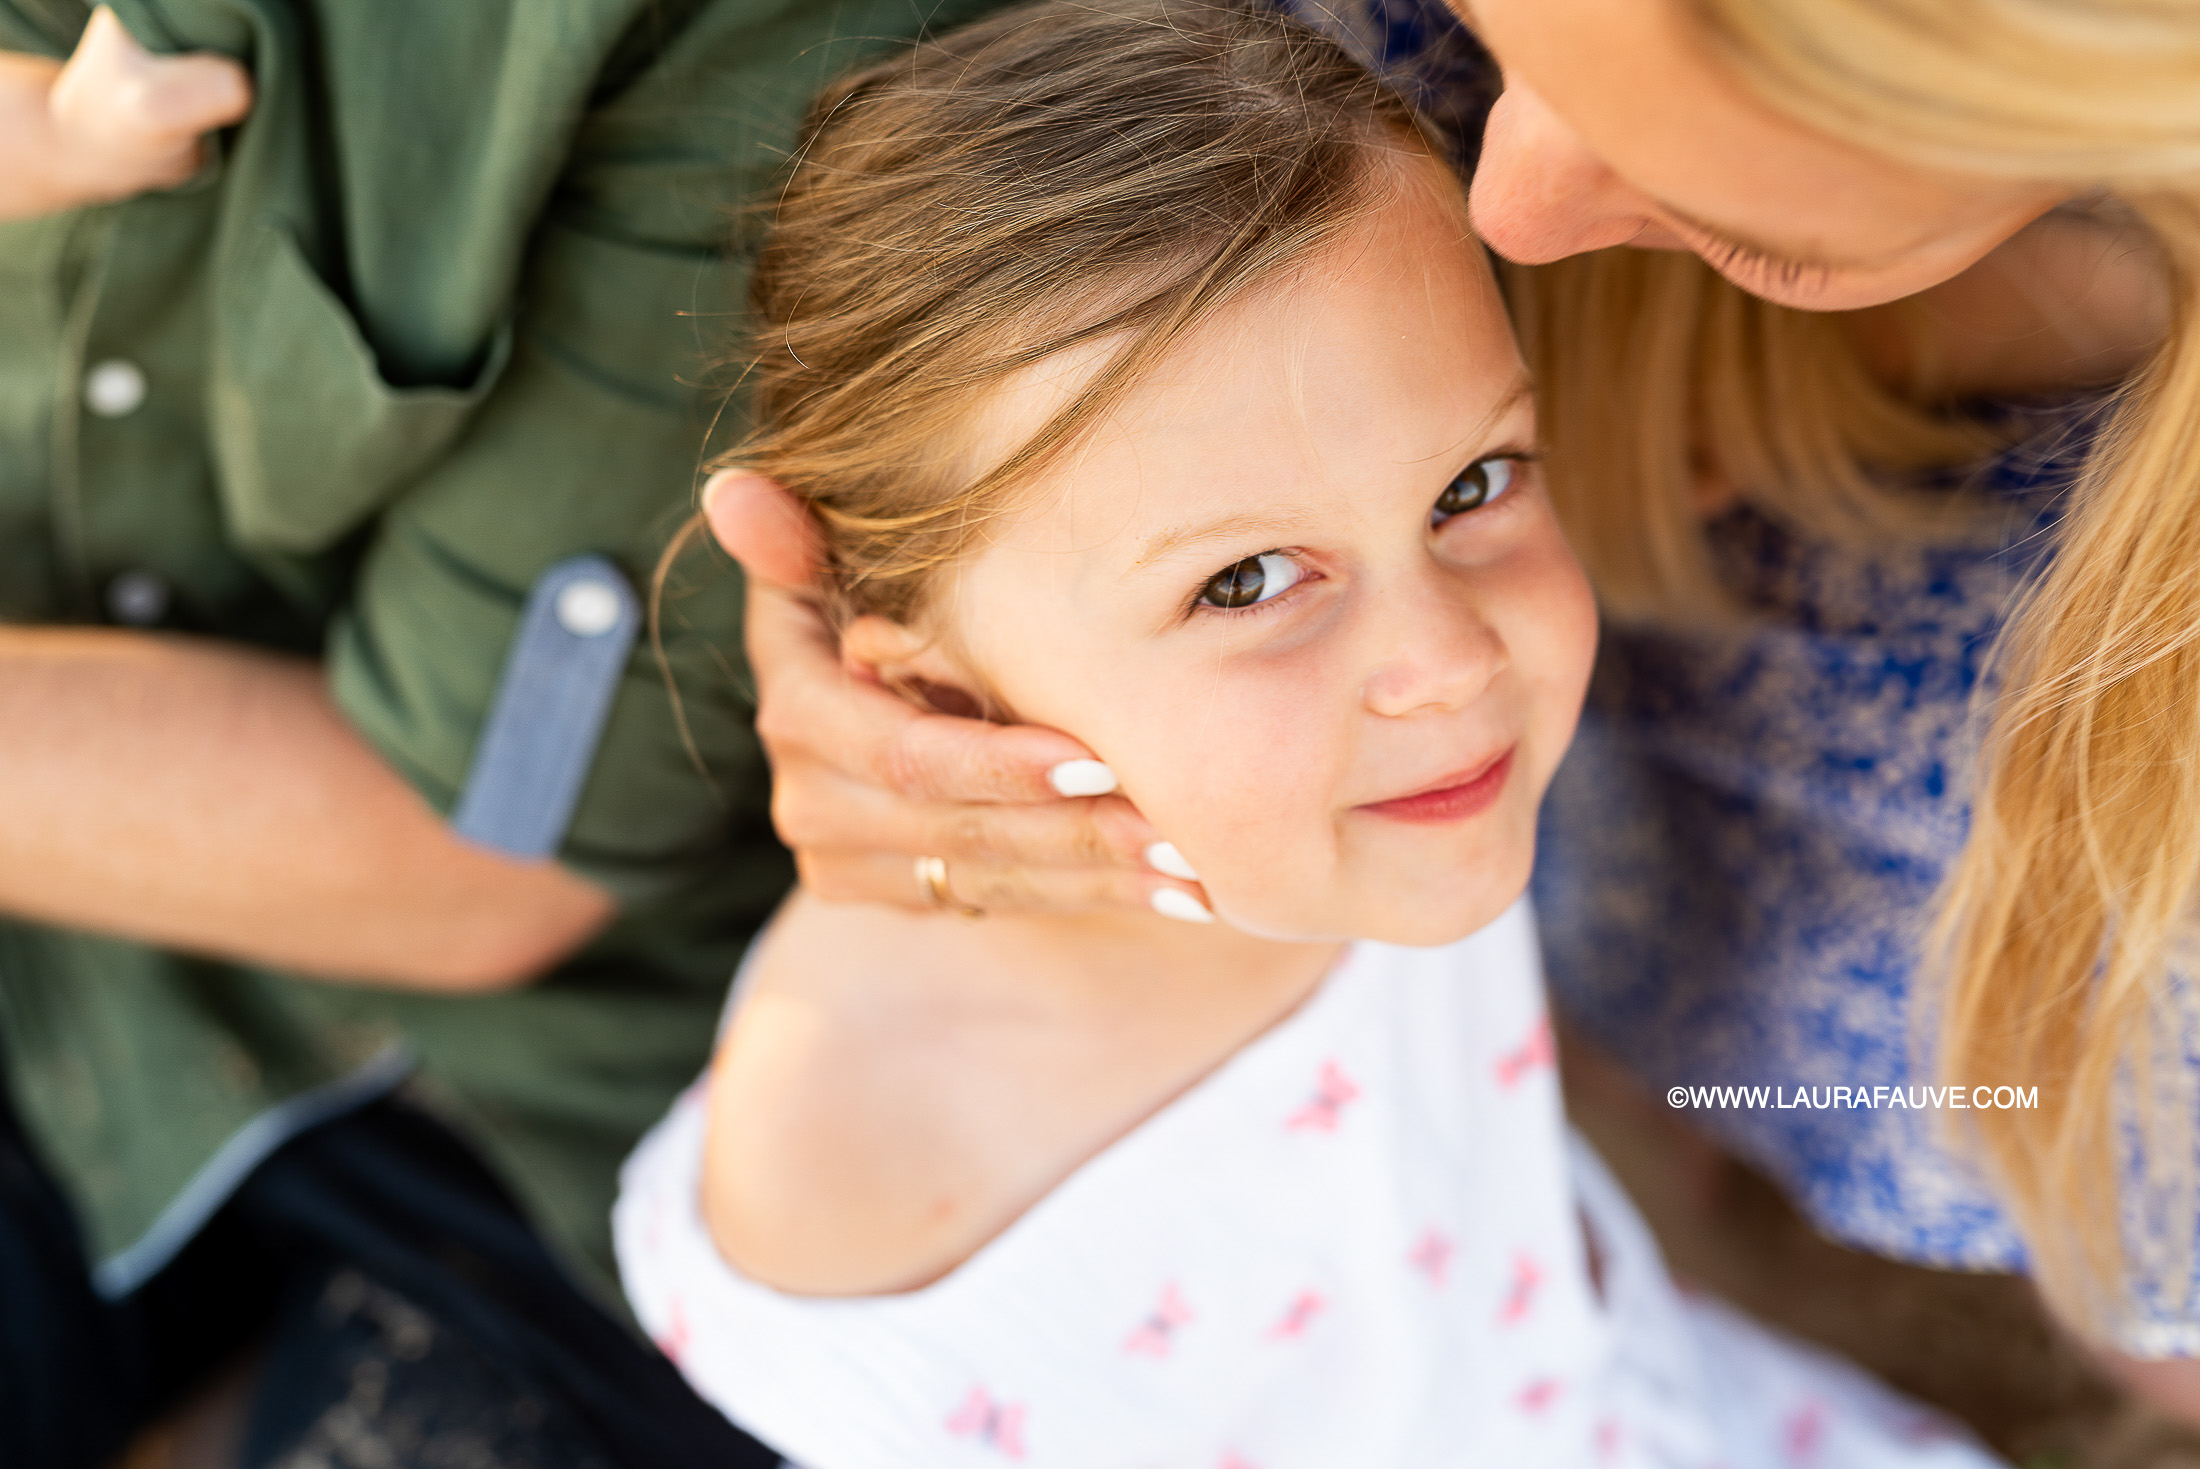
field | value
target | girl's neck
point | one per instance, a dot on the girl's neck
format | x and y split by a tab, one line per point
1100	972
2077	300
897	1088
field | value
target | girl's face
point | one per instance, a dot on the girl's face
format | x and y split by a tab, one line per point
1304	594
1618	127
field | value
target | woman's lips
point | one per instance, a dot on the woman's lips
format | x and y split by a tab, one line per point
1457	798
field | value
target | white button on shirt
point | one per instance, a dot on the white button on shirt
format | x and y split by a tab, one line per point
137	598
114	388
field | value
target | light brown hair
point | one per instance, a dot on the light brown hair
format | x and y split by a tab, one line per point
1063	174
2063	944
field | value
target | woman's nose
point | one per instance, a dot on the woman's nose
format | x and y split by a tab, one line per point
1539	194
1436	652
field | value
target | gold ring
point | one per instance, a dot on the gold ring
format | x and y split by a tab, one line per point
932	882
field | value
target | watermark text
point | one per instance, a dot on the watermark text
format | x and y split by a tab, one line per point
1835	1098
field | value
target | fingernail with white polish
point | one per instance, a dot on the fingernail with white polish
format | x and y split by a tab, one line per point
1176	903
1164	858
1081	778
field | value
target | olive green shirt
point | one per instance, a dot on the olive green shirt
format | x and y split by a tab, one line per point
440	314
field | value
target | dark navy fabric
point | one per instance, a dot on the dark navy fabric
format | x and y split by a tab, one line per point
73	1375
1740	852
404	1311
1422	50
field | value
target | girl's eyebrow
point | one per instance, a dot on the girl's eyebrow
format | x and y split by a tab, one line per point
1245	524
1229	527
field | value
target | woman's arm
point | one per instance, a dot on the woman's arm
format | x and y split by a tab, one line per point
208	797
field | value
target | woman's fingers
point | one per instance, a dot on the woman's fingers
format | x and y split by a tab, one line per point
819	809
764	528
863	783
812	711
876	877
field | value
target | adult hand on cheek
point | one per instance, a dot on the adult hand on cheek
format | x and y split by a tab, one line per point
113	122
864	784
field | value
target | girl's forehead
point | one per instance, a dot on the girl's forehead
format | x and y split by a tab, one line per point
1380	362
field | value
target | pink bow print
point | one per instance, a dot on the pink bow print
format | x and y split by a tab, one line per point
1157	1333
1298	1316
1520	1293
1330	1095
1000	1425
1431	1255
1804	1430
1535	1051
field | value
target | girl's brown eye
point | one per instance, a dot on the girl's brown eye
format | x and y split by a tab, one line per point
1477	485
1255	579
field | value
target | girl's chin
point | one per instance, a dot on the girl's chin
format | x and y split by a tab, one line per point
1444	918
1419	933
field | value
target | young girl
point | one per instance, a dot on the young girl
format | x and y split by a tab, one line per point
1146	382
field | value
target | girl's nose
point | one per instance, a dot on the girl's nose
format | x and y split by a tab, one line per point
1539	194
1435	653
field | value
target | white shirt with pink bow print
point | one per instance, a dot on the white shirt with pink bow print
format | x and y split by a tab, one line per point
1367	1239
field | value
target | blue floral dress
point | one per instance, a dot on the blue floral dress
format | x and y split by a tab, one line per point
1740	854
1742	848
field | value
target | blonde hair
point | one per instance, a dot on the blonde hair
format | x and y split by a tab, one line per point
2062	920
1060	175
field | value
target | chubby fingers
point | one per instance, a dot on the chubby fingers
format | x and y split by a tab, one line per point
128	120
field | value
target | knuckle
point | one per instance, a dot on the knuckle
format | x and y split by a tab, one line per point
1109	833
793	812
1095	844
138	104
831	876
905	767
969	833
1122	891
778	727
1002	889
817	873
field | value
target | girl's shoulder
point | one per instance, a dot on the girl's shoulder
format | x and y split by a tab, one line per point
893	1091
848	1148
833	1165
879	1111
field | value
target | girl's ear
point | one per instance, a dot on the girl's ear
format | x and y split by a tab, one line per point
912	664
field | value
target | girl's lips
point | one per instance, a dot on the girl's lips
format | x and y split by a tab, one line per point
1458	798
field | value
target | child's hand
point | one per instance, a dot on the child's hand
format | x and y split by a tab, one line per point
115	121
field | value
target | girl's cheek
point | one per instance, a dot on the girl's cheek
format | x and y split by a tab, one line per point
1567	616
1238	773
